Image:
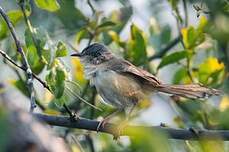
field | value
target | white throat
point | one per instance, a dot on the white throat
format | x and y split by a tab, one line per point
90	70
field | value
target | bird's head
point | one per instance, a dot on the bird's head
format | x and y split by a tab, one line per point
94	54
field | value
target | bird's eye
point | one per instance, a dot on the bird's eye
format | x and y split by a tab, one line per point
102	57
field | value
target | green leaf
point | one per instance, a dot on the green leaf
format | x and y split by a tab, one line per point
165	35
49	5
192	37
60	101
71	17
115	38
61	50
15	16
82	34
33	56
193	109
158	36
173	58
3	29
21	86
120	18
46	56
136	51
106	24
180	75
174	3
211	71
202	23
224	119
60	77
40	39
147	140
56	81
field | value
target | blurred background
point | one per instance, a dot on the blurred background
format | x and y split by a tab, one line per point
179	41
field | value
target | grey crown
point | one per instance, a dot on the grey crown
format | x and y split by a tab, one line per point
94	50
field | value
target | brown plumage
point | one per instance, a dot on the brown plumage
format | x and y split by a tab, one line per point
122	84
149	81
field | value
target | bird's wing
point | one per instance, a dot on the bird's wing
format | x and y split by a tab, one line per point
125	67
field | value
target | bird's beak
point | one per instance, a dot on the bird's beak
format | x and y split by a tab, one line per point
76	54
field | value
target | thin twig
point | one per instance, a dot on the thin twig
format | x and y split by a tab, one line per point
179	27
164	50
23	68
28	23
92	35
92	102
7	58
189	70
77	143
91	6
34	76
24	60
71	46
174	133
185	13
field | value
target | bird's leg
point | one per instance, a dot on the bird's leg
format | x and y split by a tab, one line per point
73	116
107	118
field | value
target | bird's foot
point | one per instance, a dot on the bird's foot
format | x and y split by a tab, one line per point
163	124
194	131
73	117
102	124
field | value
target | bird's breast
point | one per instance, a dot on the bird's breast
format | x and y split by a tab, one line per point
116	89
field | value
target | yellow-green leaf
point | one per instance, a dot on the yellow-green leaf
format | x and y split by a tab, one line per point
82	34
210	68
106	24
192	37
224	104
56	80
49	5
136	51
61	50
15	16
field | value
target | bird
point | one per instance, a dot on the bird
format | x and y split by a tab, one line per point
124	85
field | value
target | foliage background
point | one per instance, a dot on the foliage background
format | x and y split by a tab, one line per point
138	31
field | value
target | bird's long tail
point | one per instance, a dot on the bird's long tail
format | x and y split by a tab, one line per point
193	91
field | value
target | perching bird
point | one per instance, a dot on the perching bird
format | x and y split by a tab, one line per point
123	85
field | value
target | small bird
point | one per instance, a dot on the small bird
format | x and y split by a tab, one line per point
123	85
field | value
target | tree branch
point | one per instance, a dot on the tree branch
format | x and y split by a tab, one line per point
23	68
34	76
91	125
24	60
185	13
164	50
91	6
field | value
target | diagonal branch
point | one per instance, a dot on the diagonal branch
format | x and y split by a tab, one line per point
24	60
91	125
164	50
23	68
91	6
45	85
